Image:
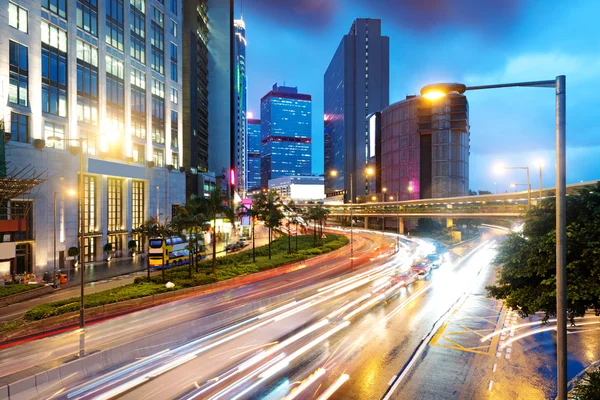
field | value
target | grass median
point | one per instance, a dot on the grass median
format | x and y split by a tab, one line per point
9	290
228	267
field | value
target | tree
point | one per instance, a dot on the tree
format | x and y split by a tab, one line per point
132	246
527	277
143	232
269	207
294	218
213	207
588	388
252	212
186	221
482	192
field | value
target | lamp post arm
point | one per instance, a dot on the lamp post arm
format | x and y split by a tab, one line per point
545	84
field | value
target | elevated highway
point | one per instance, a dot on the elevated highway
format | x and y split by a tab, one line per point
510	205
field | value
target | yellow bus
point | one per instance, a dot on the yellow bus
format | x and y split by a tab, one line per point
173	252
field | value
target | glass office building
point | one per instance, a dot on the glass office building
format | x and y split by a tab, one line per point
286	133
356	84
239	145
253	155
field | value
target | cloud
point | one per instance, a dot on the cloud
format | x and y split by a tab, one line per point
315	15
490	17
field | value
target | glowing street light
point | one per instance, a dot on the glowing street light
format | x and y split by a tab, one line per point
439	90
500	168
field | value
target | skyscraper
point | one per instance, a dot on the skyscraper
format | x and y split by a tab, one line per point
286	138
207	121
106	75
240	146
356	84
425	147
253	155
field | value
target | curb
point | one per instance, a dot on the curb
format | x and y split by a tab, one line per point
23	296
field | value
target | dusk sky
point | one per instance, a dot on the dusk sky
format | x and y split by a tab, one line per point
470	41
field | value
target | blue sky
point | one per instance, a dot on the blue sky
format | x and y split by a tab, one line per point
469	41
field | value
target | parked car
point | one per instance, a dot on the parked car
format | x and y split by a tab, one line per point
243	242
435	260
422	268
232	247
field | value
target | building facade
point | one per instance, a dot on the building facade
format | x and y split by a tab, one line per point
239	145
286	133
425	147
207	65
356	84
299	188
106	76
253	155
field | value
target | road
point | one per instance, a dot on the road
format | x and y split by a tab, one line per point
178	318
365	326
362	335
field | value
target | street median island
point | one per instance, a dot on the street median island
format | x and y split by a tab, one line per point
62	313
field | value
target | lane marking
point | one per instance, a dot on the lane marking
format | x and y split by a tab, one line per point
490	385
391	380
494	369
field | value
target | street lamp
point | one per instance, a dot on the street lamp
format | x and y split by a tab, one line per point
333	173
69	192
384	190
540	165
500	168
81	217
559	84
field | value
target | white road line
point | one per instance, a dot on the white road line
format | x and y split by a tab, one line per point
391	380
499	354
490	385
507	356
494	369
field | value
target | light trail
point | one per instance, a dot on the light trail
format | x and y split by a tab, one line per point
540	330
305	384
342	309
246	378
286	361
524	325
368	304
333	388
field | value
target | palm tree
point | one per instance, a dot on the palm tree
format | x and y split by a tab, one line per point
311	215
295	218
269	206
321	214
252	213
163	231
145	231
211	208
187	220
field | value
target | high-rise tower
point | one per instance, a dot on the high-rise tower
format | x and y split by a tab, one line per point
356	84
286	133
239	145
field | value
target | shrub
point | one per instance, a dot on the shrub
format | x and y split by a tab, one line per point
16	288
228	267
588	388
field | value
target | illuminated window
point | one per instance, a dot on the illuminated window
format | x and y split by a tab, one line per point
18	91
159	157
174	96
89	203
137	204
51	129
115	204
17	17
175	160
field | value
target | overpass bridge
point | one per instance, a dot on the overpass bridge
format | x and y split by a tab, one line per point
512	205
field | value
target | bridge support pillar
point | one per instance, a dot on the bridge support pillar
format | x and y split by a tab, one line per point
449	222
401	225
366	222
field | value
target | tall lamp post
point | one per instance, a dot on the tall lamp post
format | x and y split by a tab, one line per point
502	167
436	91
333	173
81	218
